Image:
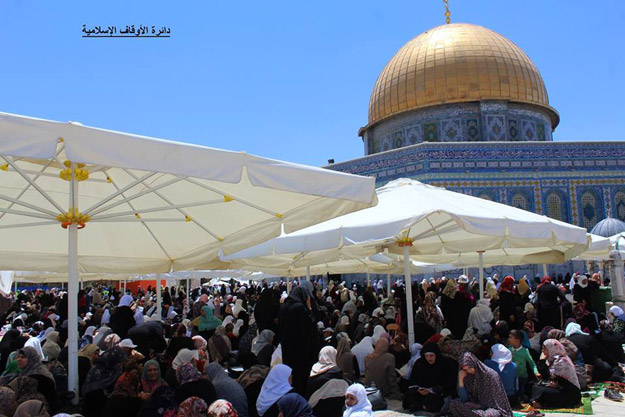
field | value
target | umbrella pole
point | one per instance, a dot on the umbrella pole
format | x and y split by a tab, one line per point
158	297
188	295
288	290
15	287
72	294
308	273
545	270
368	279
481	256
408	281
388	285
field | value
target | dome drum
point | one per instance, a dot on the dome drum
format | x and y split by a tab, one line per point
493	120
456	64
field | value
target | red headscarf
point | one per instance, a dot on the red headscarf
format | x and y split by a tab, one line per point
507	284
546	280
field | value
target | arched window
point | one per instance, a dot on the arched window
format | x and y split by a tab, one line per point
619	205
486	196
519	201
590	209
555	206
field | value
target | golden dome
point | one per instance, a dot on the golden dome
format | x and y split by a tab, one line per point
457	63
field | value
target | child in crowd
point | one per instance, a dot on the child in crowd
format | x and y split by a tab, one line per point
521	356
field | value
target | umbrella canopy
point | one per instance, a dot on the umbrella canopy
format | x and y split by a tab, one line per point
598	249
435	224
150	205
146	205
429	224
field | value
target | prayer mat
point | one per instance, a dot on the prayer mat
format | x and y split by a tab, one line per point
585	409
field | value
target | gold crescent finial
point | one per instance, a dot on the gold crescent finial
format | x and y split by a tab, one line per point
447	12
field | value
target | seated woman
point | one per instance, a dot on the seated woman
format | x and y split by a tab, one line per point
501	362
125	401
323	371
562	390
277	384
150	379
219	346
347	361
294	405
380	369
356	402
191	384
263	348
29	362
480	390
430	381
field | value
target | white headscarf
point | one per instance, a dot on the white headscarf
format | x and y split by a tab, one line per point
480	317
616	311
327	361
501	355
237	327
238	307
361	350
275	386
90	331
415	354
363	407
106	317
184	356
126	300
264	339
377	332
139	319
573	328
45	334
228	319
36	344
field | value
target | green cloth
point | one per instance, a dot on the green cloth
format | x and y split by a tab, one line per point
522	358
11	368
208	321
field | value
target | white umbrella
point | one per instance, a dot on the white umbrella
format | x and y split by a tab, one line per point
432	225
146	205
599	249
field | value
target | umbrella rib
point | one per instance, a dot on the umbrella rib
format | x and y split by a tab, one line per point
197	223
12	226
25	204
247	203
152	210
28	214
146	226
115	194
148	190
33	184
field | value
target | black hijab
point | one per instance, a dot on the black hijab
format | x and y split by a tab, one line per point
428	375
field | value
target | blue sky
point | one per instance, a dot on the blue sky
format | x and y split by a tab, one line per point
284	79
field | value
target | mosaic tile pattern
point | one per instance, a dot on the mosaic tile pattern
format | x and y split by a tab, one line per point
549	177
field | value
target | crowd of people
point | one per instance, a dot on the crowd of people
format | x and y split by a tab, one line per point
322	350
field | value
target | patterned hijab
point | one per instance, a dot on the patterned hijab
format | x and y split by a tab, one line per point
187	373
192	407
222	408
127	385
432	317
559	362
485	386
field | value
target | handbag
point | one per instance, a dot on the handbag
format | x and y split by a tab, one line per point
375	397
